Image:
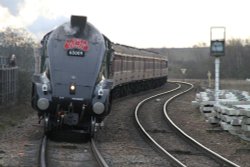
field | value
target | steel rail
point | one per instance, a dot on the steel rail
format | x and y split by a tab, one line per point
172	158
210	152
43	152
97	154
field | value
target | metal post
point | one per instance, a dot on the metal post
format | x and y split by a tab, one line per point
217	80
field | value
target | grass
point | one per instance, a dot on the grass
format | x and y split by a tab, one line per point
12	115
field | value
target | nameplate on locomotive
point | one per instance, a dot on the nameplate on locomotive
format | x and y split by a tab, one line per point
76	47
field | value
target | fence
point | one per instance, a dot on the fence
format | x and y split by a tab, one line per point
8	82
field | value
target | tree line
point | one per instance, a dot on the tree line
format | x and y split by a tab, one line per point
197	60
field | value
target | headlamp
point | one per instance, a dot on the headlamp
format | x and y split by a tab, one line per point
72	89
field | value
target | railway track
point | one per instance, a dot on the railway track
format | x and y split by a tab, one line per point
70	154
181	149
113	159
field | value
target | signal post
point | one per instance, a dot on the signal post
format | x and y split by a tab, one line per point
217	49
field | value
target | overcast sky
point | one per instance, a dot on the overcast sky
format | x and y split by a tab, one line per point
139	23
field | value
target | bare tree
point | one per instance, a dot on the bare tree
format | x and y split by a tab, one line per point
20	43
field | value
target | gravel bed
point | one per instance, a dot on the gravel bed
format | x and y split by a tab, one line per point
19	145
64	154
120	142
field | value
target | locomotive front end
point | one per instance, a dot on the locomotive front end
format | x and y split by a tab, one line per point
73	90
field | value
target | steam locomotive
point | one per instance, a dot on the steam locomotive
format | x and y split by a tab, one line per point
82	71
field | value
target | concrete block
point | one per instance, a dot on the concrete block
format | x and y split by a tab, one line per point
229	127
245	127
236	122
224	125
245	121
236	103
207	103
226	118
244	106
208	115
235	130
211	114
217	115
229	119
245	109
223	110
195	104
217	108
207	109
245	135
246	113
231	111
213	120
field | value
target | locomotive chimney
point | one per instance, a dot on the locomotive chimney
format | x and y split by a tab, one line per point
79	22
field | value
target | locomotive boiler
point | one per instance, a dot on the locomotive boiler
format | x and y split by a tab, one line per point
82	70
